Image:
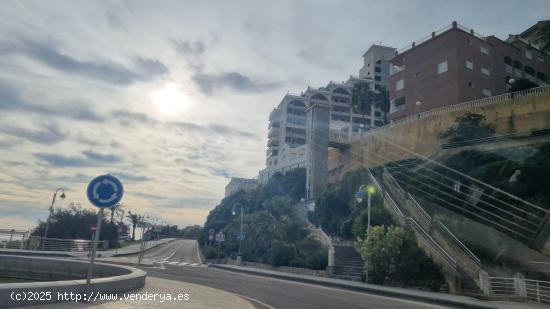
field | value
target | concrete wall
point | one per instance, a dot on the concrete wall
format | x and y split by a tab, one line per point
108	278
520	115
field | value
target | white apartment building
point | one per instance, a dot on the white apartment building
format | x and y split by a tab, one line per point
287	144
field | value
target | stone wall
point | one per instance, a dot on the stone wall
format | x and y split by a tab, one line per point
519	115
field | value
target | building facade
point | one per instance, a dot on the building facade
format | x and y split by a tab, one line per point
288	145
237	184
457	65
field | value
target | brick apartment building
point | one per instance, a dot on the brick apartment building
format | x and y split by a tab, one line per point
457	65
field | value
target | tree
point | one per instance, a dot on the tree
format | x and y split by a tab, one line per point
522	84
364	99
468	127
393	258
74	223
134	219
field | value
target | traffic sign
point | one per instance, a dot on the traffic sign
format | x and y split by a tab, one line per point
220	237
210	237
93	227
211	232
105	191
240	236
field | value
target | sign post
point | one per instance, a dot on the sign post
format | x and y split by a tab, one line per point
103	192
220	237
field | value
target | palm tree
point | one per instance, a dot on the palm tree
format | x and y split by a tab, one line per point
364	99
134	219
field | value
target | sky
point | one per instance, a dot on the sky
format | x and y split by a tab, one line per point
173	97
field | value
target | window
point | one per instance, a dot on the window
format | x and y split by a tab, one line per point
400	84
377	69
471	84
442	67
540	58
484	50
528	54
397	104
485	71
486	92
417	75
469	64
377	78
378	62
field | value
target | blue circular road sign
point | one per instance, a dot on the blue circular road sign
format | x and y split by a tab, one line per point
105	191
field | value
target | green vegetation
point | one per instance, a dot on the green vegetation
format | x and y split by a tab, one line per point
467	127
437	185
337	212
396	260
363	98
74	223
274	234
522	84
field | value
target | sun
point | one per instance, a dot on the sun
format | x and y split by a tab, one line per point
170	99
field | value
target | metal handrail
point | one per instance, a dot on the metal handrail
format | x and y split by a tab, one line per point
420	208
460	244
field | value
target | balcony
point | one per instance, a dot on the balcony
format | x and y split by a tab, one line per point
273	142
273	131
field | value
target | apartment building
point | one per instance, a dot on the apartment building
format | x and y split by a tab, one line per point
456	64
287	142
237	184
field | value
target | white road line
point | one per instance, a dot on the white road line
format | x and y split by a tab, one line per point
184	264
173	263
195	264
254	300
171	255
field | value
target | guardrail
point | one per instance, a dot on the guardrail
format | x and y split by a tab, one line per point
55	244
537	291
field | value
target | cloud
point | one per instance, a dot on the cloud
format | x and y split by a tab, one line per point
127	177
208	83
189	47
58	160
133	118
109	158
10	99
104	70
49	134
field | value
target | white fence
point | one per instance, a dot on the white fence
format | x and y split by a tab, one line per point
464	106
536	291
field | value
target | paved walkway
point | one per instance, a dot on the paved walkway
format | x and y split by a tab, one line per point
190	296
430	297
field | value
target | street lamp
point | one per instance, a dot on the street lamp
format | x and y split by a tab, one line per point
359	198
234	212
62	196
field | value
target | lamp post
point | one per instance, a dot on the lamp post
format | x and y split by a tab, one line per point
359	198
62	196
234	212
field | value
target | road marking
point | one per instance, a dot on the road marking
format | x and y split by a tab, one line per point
195	264
254	300
173	263
184	263
171	255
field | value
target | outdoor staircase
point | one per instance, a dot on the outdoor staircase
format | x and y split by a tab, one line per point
348	264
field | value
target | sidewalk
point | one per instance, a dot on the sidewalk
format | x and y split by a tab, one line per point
198	296
132	249
423	296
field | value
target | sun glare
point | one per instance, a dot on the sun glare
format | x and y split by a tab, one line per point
170	99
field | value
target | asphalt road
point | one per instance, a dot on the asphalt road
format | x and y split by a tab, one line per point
263	292
178	252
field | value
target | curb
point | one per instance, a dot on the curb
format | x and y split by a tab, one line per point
433	298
